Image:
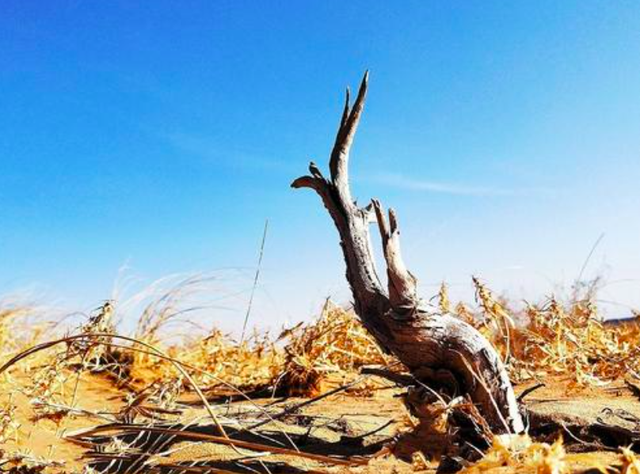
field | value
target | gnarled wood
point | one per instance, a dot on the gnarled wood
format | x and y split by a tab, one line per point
426	342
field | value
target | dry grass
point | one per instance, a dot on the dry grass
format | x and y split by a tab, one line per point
218	360
555	338
21	325
522	453
305	360
566	338
546	339
328	352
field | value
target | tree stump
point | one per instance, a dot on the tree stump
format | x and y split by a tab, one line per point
433	346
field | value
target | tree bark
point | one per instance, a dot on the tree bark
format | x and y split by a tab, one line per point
429	344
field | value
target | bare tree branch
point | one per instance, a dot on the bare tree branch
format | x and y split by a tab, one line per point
402	284
339	161
427	343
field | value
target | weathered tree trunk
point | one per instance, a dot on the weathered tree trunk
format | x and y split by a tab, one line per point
429	344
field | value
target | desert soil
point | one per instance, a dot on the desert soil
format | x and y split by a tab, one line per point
348	427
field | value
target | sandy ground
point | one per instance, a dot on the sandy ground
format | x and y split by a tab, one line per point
43	438
346	427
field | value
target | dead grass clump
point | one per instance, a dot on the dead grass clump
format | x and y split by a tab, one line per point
155	306
521	454
218	362
555	338
54	381
327	352
630	462
21	326
575	340
305	360
213	358
9	426
254	363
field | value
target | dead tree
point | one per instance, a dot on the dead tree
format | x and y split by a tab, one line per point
431	345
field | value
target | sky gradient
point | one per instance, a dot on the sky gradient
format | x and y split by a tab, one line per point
161	135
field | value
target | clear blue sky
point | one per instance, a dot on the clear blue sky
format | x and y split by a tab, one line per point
162	135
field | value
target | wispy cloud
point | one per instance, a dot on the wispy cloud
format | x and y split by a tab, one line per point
400	181
210	150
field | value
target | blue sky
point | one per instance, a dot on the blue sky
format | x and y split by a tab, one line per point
161	135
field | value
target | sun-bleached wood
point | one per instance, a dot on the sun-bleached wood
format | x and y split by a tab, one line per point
433	346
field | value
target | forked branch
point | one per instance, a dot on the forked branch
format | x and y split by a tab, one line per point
352	222
339	161
336	196
402	284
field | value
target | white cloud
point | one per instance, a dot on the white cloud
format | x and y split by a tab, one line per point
211	150
414	184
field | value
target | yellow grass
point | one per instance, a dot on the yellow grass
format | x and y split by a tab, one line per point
554	337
